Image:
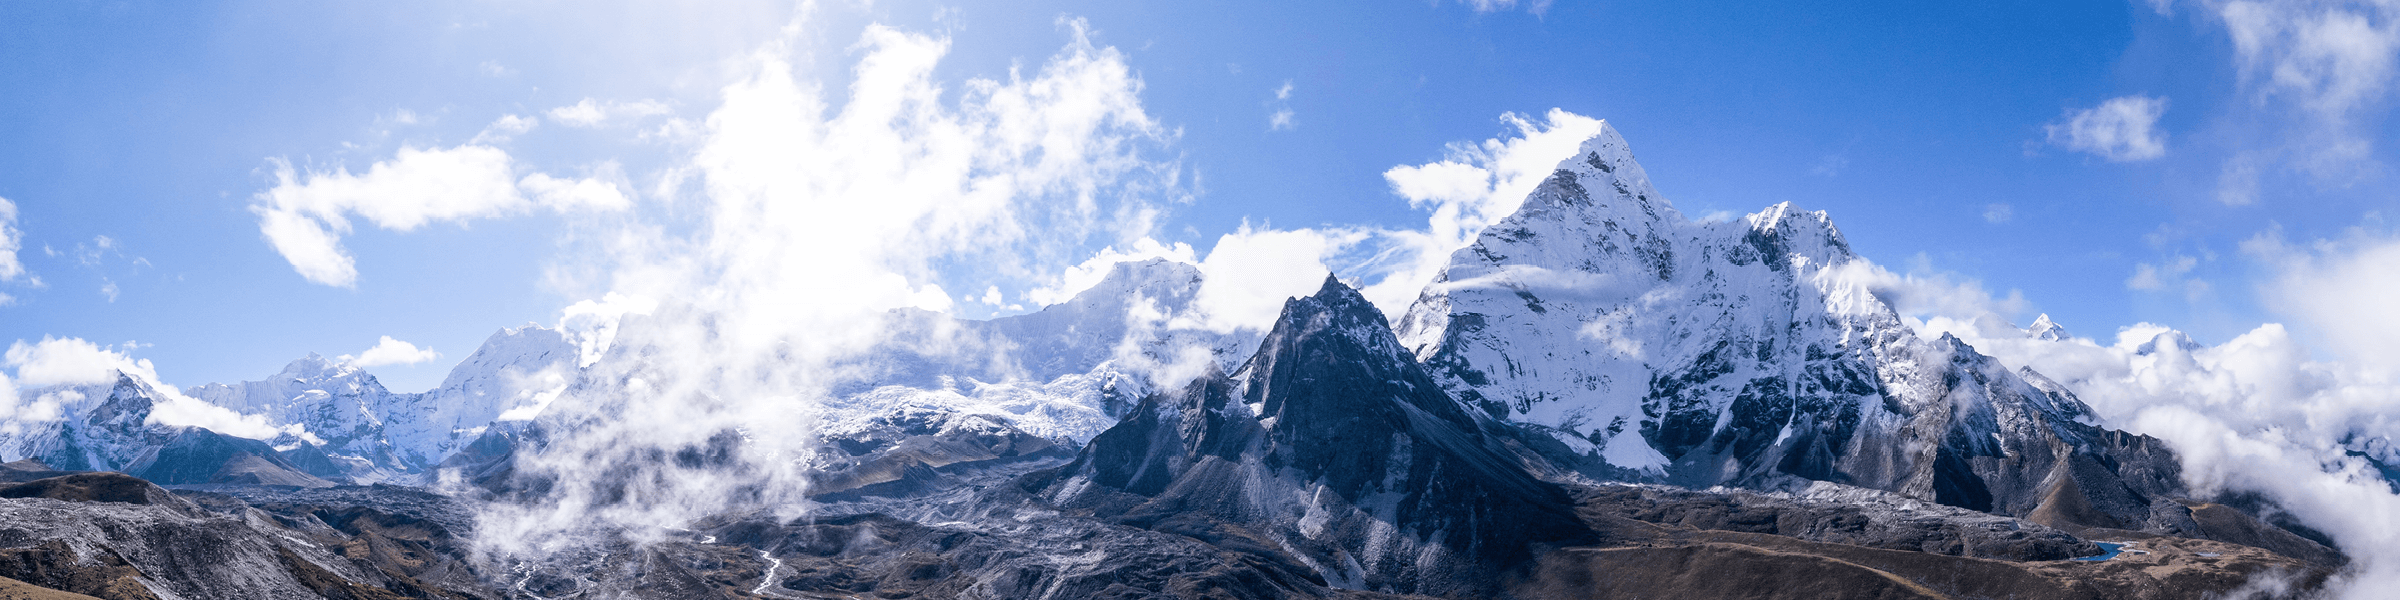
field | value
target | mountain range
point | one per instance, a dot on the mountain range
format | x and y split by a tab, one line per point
1597	396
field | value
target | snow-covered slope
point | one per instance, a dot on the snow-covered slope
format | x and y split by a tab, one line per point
339	404
1724	352
511	377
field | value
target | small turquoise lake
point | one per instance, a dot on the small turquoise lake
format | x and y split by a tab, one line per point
2107	551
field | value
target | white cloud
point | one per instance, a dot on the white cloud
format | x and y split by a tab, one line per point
1250	272
2121	129
593	324
593	112
1281	118
11	240
72	361
2341	289
503	129
305	214
818	208
1924	293
390	352
1998	213
108	289
2322	70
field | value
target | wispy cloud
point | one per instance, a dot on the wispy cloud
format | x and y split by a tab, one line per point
1998	213
2321	72
1488	6
11	240
305	215
593	113
1281	118
2121	129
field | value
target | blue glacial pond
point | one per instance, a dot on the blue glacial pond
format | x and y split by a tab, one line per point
2107	551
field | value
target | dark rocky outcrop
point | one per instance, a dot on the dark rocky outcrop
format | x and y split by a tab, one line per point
195	456
98	487
1333	444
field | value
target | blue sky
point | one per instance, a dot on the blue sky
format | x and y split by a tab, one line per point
2221	147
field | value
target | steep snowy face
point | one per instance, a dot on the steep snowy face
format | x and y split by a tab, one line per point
511	377
101	427
341	405
1707	353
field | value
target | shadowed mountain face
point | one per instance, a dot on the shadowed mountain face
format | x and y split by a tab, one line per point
1331	442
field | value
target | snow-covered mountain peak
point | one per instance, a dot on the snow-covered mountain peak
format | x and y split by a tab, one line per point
2046	330
316	369
1601	183
1785	229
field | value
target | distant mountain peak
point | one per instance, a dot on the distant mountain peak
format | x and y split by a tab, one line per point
2045	329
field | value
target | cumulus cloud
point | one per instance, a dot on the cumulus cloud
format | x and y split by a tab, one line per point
2121	129
1250	272
71	361
390	352
2340	288
593	112
305	215
820	206
11	240
1998	213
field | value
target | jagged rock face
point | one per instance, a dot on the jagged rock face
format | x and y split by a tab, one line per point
1730	352
1332	442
